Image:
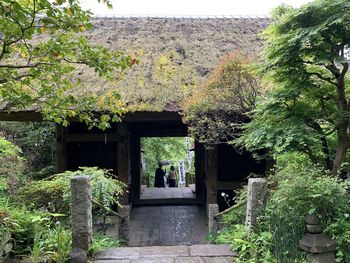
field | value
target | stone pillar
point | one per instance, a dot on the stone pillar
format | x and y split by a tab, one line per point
257	189
124	226
319	247
81	212
213	223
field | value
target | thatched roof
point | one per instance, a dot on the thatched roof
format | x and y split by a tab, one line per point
174	54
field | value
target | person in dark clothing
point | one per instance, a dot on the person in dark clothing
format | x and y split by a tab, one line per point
159	177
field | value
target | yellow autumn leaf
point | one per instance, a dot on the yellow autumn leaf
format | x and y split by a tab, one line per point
42	30
68	11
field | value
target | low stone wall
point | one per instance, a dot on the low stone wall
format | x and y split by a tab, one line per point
108	225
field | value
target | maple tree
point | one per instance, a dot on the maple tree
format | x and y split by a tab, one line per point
41	51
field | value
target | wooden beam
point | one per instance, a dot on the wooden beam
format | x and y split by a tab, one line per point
21	116
61	149
149	116
212	174
144	116
200	172
123	160
93	137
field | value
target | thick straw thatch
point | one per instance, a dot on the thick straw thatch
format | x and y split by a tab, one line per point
174	54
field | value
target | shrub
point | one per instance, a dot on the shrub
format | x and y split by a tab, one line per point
35	139
295	191
298	190
54	193
12	166
32	234
44	172
101	242
20	226
238	216
57	243
251	247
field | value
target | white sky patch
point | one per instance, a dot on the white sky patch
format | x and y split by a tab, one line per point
188	7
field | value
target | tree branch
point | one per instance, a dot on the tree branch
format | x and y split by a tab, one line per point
345	69
3	81
319	75
26	66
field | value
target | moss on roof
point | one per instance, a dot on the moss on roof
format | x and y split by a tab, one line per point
174	54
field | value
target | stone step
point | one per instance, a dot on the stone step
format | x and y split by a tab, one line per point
207	253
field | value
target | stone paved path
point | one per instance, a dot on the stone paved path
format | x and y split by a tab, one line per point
165	193
167	226
167	254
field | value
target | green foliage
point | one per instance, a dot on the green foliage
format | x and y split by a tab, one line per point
54	193
47	194
308	107
33	235
35	139
251	247
238	216
21	224
294	191
101	242
57	243
40	56
156	149
214	110
298	190
8	149
12	166
44	172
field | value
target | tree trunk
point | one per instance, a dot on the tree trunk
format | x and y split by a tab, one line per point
342	126
342	148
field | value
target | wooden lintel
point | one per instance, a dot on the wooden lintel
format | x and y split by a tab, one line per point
149	116
144	116
98	137
21	116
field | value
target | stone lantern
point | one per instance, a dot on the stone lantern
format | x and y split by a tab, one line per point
319	247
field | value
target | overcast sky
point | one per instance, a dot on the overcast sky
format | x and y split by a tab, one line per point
188	7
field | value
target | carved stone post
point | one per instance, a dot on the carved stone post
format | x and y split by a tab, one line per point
257	189
213	223
81	213
124	223
320	248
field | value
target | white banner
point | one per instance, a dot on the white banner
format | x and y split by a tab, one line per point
189	154
182	179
